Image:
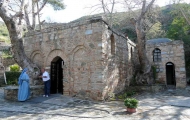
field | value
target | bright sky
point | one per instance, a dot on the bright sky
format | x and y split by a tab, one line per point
78	8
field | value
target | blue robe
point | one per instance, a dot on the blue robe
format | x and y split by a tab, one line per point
24	86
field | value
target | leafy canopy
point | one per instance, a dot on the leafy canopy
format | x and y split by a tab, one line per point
56	4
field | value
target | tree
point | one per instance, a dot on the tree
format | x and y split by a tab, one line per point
108	9
13	12
179	28
144	73
143	22
32	8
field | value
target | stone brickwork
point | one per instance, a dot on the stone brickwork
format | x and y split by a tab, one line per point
171	52
96	59
11	92
8	61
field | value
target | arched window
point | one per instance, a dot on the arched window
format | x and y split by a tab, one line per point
157	55
131	52
112	44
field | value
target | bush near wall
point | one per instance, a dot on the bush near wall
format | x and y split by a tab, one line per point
15	68
12	77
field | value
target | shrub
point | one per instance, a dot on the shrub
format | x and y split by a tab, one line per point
154	72
12	77
126	94
131	102
130	93
15	68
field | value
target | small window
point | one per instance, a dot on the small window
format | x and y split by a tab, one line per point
157	55
112	44
131	52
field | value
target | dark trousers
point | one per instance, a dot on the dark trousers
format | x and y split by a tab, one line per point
47	87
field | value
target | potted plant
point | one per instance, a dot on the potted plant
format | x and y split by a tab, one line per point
131	104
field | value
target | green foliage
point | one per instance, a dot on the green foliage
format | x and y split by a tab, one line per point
3	30
131	102
12	77
111	96
6	54
15	68
56	4
156	31
178	29
154	72
4	34
126	94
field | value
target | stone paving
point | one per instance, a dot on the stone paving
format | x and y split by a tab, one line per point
165	105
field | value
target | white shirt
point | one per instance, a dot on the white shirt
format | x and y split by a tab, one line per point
47	76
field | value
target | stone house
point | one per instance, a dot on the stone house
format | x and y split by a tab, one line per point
89	59
168	58
85	58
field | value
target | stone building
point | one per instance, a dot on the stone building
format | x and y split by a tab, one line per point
85	58
168	58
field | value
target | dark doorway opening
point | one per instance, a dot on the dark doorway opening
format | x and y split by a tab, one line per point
170	73
57	75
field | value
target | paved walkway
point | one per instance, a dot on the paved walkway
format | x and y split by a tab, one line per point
166	105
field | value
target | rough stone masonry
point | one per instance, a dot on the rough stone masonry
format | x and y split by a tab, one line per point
97	60
171	53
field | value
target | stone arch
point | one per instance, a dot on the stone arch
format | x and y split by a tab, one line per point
76	49
80	67
112	38
54	53
131	52
157	56
170	73
37	57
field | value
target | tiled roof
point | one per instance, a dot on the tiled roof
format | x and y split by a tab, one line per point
158	40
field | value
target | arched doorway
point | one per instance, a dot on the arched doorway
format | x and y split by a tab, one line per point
57	75
170	73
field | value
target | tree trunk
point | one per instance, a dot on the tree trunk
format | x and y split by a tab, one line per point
33	15
144	73
15	32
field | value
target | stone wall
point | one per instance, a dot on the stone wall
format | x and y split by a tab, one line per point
8	61
2	71
170	52
116	62
94	62
11	92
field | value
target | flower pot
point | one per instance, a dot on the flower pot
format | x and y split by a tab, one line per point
131	110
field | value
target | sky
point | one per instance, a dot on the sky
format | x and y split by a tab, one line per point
78	8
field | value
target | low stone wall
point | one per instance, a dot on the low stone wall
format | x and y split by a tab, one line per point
8	61
10	92
147	88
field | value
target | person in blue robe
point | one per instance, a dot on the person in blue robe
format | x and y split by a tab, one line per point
24	86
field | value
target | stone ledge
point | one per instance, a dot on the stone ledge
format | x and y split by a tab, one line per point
147	88
10	92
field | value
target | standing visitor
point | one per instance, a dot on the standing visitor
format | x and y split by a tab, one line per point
46	79
24	87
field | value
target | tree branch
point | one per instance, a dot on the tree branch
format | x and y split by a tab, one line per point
43	5
184	16
145	9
